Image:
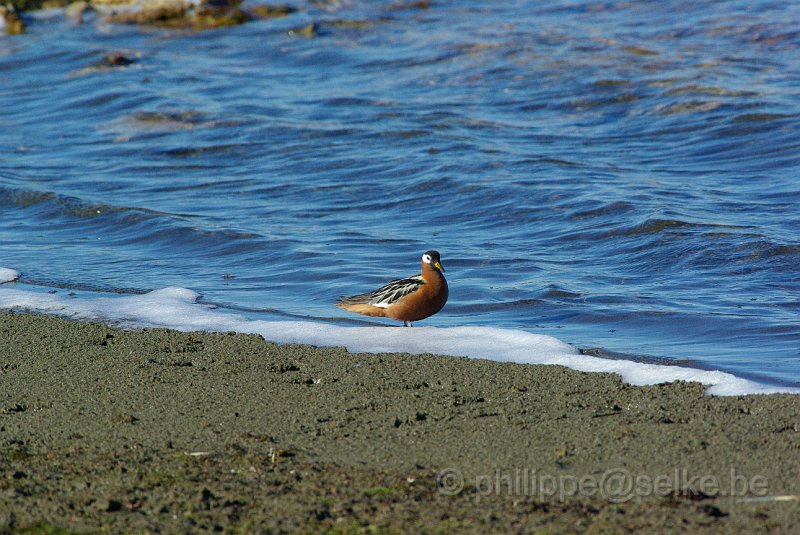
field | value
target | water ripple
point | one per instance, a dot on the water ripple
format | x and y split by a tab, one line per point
622	176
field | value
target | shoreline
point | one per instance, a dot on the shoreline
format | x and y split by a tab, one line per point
179	308
105	429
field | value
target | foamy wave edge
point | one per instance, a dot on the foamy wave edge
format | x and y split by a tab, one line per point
177	308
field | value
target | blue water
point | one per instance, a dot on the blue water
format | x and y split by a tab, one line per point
623	176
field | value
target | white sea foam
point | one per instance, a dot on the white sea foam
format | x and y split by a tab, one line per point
177	308
8	275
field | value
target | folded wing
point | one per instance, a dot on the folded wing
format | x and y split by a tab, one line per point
388	294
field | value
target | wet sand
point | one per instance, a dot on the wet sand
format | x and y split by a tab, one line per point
103	429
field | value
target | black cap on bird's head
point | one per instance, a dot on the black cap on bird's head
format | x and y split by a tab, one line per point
432	258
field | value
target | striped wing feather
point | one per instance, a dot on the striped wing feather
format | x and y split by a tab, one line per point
388	294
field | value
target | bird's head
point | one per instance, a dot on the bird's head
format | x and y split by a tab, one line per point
432	258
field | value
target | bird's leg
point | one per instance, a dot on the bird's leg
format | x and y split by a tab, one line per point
407	324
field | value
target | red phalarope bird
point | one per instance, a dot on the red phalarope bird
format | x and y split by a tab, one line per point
406	300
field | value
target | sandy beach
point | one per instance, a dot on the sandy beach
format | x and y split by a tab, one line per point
163	431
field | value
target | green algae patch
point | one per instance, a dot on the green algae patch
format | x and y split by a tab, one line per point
309	31
354	23
207	18
111	61
709	90
419	4
265	11
762	117
640	50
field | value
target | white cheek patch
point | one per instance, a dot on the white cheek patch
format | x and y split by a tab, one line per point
426	259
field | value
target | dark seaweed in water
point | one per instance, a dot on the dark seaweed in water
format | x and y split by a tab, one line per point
622	176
